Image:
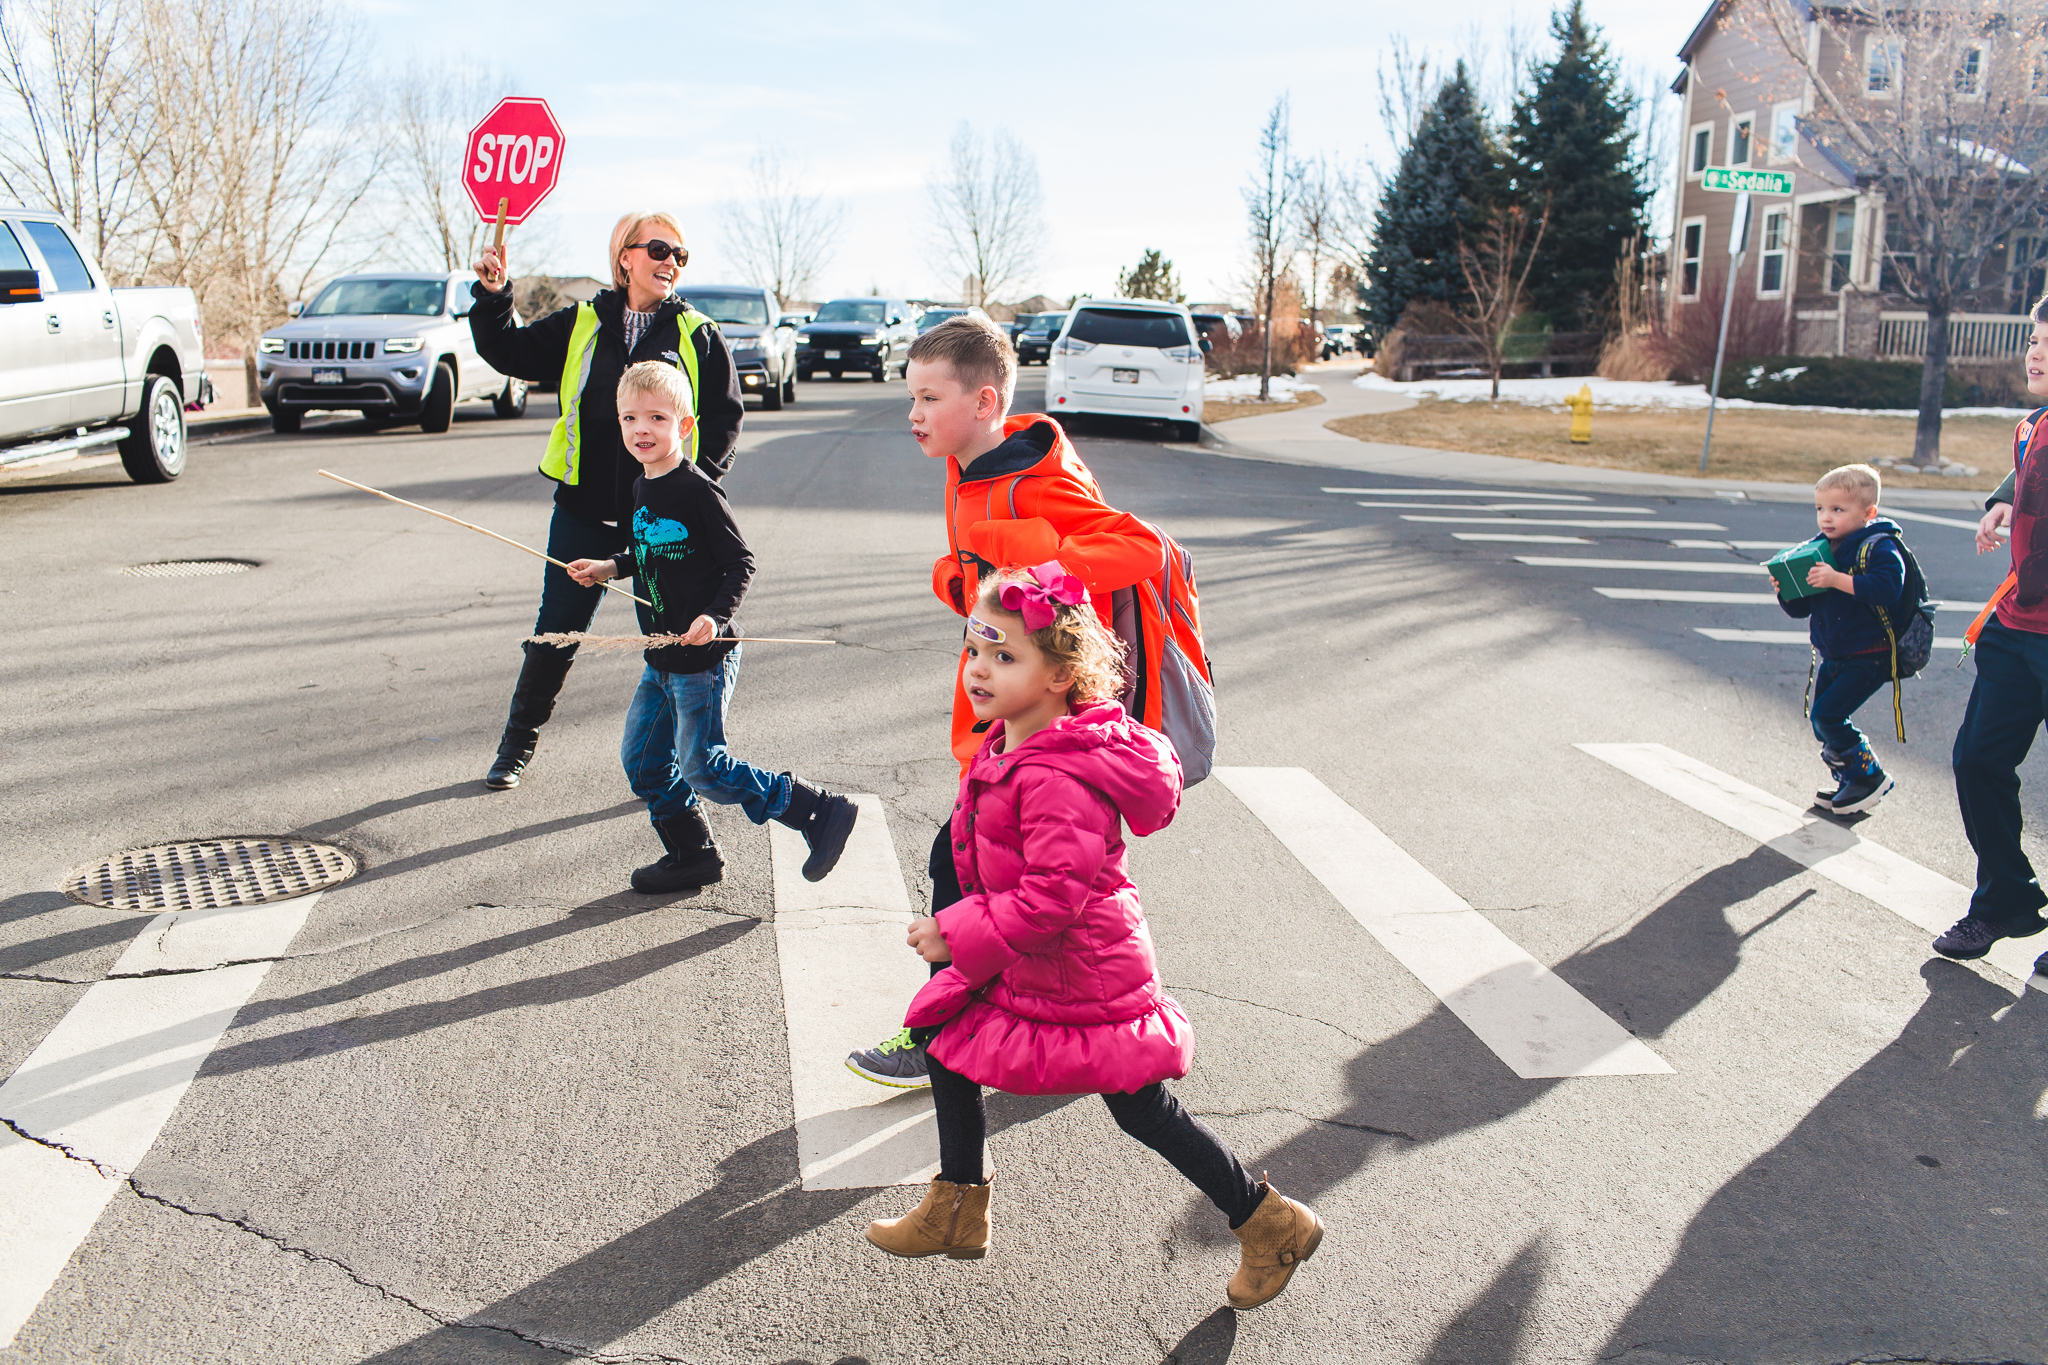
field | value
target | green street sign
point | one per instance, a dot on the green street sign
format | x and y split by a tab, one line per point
1755	182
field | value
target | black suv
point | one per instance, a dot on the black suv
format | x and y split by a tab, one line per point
865	335
1035	341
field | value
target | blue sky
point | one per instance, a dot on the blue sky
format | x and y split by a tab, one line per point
1143	116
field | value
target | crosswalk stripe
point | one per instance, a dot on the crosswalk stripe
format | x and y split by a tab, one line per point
1733	599
1521	540
1795	637
1551	562
1772	545
1524	1012
1924	899
847	978
1548	521
107	1078
1929	518
1504	507
1461	493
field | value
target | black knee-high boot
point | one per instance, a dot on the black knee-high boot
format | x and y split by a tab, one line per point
533	701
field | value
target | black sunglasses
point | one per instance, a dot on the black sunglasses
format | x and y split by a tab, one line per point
658	250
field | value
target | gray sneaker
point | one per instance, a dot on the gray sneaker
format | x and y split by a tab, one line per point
898	1063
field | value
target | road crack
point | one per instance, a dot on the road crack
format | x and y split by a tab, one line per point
25	1135
1306	1118
1274	1009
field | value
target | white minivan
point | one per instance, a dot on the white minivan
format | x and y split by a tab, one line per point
1129	358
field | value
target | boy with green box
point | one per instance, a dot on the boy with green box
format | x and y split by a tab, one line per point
1854	649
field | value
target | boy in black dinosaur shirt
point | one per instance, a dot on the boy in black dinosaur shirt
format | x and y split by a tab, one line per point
693	565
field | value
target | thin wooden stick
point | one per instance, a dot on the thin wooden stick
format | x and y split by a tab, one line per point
604	642
499	245
363	487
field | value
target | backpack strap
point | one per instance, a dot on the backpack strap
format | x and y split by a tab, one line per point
1884	619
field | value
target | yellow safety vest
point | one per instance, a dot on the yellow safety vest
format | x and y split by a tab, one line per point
564	458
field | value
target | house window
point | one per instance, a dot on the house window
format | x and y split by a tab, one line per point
1841	248
1970	71
1701	150
1785	132
1770	277
1899	272
1880	66
2029	272
1738	140
1692	239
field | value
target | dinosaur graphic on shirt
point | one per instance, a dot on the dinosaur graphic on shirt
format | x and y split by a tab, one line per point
657	538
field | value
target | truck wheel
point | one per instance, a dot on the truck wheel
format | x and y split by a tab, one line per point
771	397
789	390
882	372
440	408
838	374
285	421
155	449
511	402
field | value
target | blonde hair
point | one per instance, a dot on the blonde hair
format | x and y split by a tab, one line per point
1857	478
1075	644
978	351
655	376
628	231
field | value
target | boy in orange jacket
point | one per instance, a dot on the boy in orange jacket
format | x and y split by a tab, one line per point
1016	493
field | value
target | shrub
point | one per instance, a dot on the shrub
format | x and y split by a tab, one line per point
1755	327
1834	382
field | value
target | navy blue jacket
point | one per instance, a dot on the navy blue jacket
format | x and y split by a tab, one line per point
1842	625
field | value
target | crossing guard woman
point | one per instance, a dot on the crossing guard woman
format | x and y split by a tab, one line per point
586	347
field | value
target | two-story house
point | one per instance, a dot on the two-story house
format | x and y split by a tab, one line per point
1823	262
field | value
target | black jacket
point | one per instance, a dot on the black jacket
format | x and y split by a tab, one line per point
1841	625
691	561
604	491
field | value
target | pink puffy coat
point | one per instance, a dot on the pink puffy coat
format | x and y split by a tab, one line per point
1053	989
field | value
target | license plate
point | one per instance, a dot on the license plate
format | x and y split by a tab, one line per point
329	377
831	355
1124	376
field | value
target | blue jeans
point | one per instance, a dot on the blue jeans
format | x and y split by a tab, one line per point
675	750
1839	688
2007	705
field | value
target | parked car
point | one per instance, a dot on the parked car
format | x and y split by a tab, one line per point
867	335
1339	337
391	345
1035	341
932	317
764	354
1132	358
84	366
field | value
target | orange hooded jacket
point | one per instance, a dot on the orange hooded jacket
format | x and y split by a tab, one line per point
1023	503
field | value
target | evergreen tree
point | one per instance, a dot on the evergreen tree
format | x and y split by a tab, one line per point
1151	278
1570	142
1450	177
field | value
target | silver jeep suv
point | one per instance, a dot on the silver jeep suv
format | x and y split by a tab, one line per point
393	346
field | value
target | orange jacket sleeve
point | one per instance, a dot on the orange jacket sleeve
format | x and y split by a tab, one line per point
949	583
1105	548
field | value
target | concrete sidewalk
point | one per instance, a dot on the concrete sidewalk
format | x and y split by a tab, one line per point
1303	437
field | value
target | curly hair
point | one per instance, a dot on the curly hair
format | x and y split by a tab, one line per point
1075	643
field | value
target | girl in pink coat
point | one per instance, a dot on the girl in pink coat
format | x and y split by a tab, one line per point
1052	987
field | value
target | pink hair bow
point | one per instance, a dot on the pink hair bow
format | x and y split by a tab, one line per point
1038	601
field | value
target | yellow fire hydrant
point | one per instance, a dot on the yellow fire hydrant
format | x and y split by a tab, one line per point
1581	404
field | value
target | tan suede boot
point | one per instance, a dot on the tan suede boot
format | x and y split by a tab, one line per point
952	1221
1278	1237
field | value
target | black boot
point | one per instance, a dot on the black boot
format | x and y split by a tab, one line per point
825	821
692	859
533	701
1838	768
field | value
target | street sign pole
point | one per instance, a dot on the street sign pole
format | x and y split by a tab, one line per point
1738	240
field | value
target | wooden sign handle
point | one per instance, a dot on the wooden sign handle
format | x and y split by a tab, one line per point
498	242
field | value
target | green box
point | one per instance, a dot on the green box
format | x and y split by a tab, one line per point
1790	567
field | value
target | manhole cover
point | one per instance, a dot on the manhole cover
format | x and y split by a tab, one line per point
188	568
208	874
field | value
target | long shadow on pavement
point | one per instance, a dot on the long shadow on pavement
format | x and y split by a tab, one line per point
1900	1220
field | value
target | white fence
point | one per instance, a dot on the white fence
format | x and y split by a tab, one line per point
1971	336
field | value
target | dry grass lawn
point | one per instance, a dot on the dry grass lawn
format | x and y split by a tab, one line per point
1212	413
1749	443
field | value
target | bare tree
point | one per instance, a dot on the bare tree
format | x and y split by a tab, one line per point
432	110
1317	216
72	131
986	212
1953	140
1405	89
1270	204
781	235
1496	269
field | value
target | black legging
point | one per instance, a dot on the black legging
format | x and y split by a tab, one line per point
1153	1116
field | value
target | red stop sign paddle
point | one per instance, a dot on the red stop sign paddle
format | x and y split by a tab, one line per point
512	161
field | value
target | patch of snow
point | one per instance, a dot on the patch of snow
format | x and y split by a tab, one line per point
1245	389
1621	393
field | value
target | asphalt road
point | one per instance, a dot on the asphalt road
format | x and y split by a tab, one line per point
492	1106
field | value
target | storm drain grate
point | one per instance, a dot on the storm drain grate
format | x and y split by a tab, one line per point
188	568
210	874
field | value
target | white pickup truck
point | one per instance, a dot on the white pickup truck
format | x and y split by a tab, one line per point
84	366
